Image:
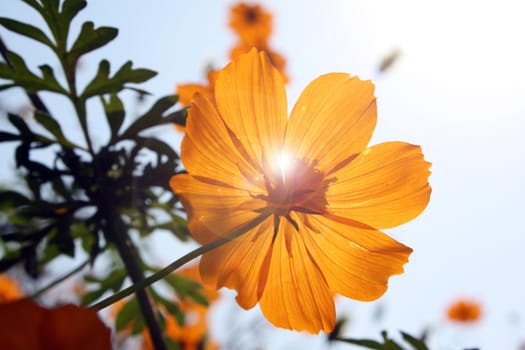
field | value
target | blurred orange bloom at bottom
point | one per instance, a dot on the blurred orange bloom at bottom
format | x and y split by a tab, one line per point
26	325
464	311
9	289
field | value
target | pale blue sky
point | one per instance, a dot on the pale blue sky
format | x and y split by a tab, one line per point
458	90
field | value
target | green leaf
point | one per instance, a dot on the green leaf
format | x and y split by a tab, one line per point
51	251
48	75
16	70
417	344
115	113
171	307
34	4
104	84
171	344
70	8
151	118
199	298
389	343
91	296
51	125
26	30
186	287
129	311
115	279
90	39
138	325
51	4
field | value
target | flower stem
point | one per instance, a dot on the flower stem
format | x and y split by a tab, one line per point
177	263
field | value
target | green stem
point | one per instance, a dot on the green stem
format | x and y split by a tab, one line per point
177	263
79	103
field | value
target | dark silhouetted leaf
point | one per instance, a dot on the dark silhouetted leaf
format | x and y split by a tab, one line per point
157	146
21	125
417	344
153	117
7	136
12	199
367	343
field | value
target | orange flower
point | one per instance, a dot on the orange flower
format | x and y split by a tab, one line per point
464	311
27	325
9	289
323	194
251	22
193	334
186	91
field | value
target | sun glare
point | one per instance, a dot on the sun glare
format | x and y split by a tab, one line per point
284	164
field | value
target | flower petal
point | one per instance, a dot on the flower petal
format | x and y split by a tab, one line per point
384	186
20	323
355	261
214	209
251	99
73	327
241	264
333	118
296	295
208	151
26	325
186	92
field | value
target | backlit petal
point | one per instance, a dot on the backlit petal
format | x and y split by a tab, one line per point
385	186
241	264
355	261
208	151
186	92
333	118
251	99
214	209
296	295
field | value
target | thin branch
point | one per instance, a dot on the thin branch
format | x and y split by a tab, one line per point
59	280
116	230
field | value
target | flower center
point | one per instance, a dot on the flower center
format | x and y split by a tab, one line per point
295	184
251	16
